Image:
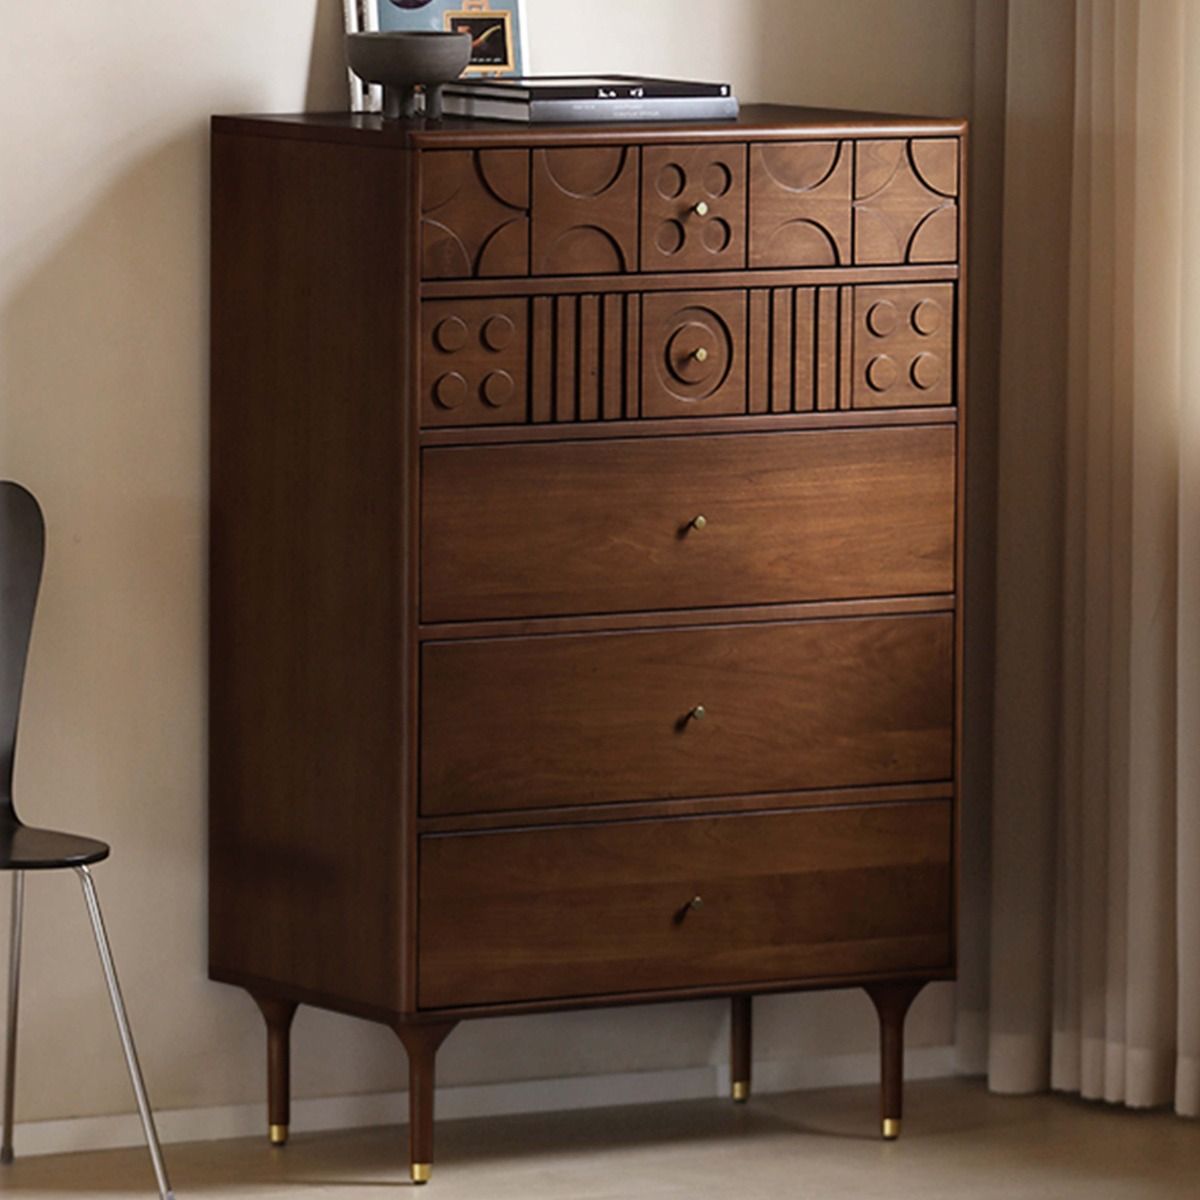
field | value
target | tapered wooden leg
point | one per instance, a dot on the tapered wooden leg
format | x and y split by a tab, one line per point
278	1015
740	1042
892	1001
421	1043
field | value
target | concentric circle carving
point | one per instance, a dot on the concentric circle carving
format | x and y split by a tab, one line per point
927	317
716	236
671	181
450	334
670	237
926	371
882	372
498	333
882	318
698	353
450	390
498	388
718	179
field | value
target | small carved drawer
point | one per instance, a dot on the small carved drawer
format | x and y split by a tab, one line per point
693	354
474	213
693	208
642	524
473	362
903	345
514	723
585	210
629	907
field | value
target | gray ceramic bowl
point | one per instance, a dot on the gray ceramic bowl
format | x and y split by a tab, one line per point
400	60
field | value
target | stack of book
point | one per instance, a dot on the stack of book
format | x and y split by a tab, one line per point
590	98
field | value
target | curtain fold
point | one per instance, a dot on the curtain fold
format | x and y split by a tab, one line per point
1095	938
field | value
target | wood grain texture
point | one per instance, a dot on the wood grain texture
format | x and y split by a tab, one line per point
305	701
474	213
474	358
585	211
800	204
533	530
693	208
526	723
600	909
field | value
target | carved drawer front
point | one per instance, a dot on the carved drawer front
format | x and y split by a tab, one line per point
473	362
559	529
585	211
474	213
694	901
905	201
693	208
687	712
800	204
693	354
903	345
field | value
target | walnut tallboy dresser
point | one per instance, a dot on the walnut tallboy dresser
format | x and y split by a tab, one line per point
586	568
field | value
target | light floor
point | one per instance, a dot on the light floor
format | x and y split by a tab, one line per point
958	1143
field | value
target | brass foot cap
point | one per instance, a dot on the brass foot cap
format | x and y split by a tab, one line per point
421	1172
741	1091
891	1128
278	1135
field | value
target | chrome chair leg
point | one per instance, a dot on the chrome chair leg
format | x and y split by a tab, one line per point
131	1059
14	994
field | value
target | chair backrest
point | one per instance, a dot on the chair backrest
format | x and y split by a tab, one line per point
22	548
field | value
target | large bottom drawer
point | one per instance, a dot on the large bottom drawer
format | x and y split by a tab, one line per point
637	906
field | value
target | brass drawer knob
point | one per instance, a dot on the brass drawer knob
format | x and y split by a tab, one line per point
699	521
700	354
701	209
696	902
698	713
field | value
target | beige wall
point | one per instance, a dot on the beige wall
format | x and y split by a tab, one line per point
103	158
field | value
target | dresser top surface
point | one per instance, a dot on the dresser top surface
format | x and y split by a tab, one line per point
757	122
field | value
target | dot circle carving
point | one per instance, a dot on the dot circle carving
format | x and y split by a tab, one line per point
498	388
882	318
671	181
670	237
717	179
926	371
450	390
451	334
498	333
927	317
716	236
882	372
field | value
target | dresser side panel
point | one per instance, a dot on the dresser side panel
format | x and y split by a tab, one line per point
308	580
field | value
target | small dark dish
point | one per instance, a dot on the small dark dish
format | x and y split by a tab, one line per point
400	60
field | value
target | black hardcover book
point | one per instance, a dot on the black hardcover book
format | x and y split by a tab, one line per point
586	87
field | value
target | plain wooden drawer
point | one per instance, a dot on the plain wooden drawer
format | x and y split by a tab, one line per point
577	528
520	723
605	909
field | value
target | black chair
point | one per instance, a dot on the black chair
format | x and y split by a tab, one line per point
22	545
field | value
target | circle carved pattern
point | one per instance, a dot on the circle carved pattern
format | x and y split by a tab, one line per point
882	372
498	388
450	390
498	332
687	374
926	371
450	334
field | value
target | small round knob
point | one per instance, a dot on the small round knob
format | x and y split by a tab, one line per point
701	209
698	522
696	902
700	354
697	713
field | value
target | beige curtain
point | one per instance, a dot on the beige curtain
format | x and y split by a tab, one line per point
1095	893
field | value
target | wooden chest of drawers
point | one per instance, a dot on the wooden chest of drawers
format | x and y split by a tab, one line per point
586	558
